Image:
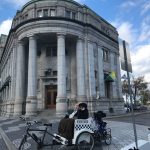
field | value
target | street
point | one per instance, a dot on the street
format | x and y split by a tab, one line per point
121	127
141	119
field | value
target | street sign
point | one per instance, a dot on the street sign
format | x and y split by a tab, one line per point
125	55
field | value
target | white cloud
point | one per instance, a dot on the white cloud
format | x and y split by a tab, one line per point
145	30
128	4
5	26
140	61
145	7
18	3
126	31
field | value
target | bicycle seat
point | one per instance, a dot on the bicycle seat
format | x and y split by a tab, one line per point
48	124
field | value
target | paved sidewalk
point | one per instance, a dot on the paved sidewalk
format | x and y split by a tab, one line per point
122	133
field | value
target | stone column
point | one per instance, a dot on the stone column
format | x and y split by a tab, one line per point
92	90
31	102
20	78
119	79
91	70
113	84
12	74
73	75
101	72
61	102
80	71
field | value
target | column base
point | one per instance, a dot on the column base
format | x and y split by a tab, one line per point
18	107
81	98
61	106
31	106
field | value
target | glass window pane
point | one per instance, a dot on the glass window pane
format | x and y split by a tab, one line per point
48	51
52	12
45	12
39	13
54	51
68	14
73	15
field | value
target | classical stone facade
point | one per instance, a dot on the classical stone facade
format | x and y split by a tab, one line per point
57	53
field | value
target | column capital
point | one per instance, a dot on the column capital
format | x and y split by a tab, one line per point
21	42
61	34
32	36
80	38
100	46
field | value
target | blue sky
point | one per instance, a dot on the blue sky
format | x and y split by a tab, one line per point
130	17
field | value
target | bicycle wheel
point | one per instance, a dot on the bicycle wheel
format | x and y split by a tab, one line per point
85	141
107	138
22	143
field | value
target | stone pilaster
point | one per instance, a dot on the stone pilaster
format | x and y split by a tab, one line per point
73	75
20	78
80	71
101	73
113	84
92	90
61	102
91	72
31	102
119	79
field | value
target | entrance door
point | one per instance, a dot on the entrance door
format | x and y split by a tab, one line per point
51	94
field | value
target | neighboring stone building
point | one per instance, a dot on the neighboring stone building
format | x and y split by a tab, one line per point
59	52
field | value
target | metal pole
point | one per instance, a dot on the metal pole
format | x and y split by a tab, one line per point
130	93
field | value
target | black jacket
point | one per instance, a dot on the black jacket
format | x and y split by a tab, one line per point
82	114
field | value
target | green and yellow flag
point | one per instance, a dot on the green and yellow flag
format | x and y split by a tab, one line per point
111	77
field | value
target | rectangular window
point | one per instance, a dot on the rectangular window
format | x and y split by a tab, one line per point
45	12
39	13
105	55
73	15
52	12
48	51
68	14
54	51
26	16
115	59
54	73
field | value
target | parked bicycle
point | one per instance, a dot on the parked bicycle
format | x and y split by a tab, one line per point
29	133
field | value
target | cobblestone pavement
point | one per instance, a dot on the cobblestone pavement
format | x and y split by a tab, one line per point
122	134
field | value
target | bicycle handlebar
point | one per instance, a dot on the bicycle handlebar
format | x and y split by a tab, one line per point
29	123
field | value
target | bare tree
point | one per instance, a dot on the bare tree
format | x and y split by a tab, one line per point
137	84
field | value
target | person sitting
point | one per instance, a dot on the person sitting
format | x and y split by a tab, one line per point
81	112
101	125
66	125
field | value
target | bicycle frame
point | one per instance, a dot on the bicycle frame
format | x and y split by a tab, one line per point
36	139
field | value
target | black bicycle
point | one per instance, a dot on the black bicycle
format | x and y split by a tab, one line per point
40	140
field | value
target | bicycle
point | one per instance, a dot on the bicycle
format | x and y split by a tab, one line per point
39	140
83	138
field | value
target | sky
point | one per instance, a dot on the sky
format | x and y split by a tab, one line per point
130	17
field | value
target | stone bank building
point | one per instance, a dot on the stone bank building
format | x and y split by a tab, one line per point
57	53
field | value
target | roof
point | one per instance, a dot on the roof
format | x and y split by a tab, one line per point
34	1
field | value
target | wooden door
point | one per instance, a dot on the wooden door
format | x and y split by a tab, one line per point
51	95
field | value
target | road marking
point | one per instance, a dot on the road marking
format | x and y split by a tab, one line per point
7	141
